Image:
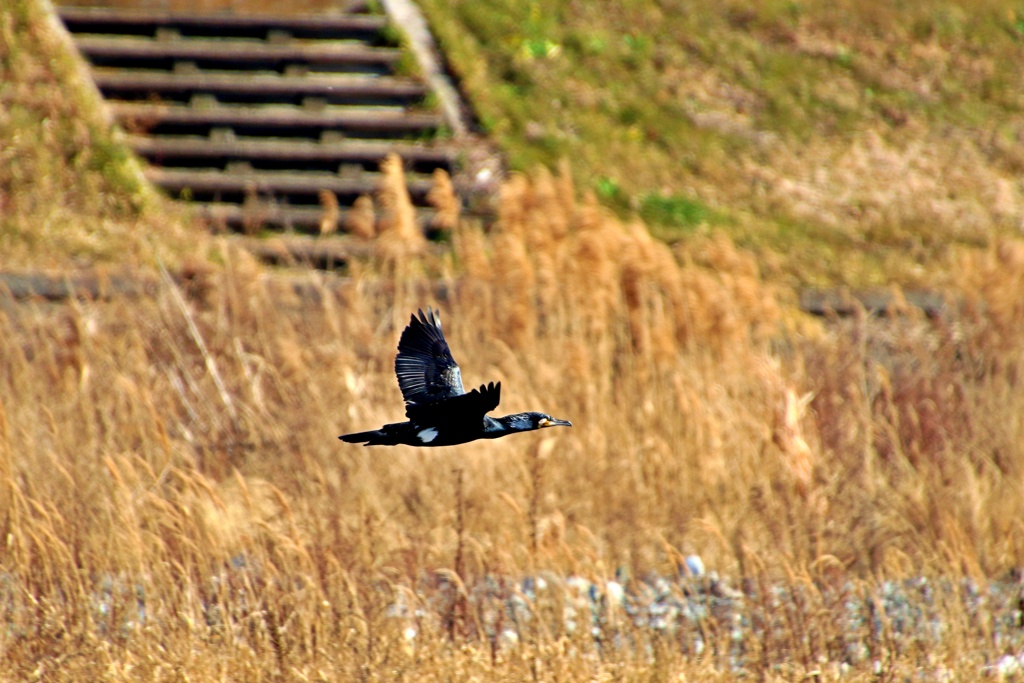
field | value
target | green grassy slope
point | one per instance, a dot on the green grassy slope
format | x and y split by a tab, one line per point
861	141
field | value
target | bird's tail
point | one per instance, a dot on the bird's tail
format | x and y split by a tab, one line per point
371	438
388	435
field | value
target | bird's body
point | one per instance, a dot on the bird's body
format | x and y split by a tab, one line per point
440	411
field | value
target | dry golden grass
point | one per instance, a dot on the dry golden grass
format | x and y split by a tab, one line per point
174	502
184	449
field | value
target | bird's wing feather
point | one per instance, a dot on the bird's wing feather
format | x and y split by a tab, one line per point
424	365
460	410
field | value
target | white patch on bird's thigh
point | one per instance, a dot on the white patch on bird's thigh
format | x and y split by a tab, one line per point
427	435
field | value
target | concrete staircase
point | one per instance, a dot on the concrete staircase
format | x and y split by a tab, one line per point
252	119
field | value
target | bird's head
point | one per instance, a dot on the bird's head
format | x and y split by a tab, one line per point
525	422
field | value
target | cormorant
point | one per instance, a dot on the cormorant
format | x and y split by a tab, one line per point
440	411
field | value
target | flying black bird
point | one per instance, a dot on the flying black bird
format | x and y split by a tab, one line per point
440	411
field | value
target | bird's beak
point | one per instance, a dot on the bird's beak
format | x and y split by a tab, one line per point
554	423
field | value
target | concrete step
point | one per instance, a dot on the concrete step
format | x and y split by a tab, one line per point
263	88
140	116
293	219
273	183
237	54
164	149
146	22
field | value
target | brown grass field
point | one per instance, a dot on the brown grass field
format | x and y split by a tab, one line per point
175	505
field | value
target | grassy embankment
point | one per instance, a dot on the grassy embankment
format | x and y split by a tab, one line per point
867	142
148	446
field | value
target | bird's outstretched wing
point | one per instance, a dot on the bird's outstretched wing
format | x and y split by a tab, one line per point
467	409
424	365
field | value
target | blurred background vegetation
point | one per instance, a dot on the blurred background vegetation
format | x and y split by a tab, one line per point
855	143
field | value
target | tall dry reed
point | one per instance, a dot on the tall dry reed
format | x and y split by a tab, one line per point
184	447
